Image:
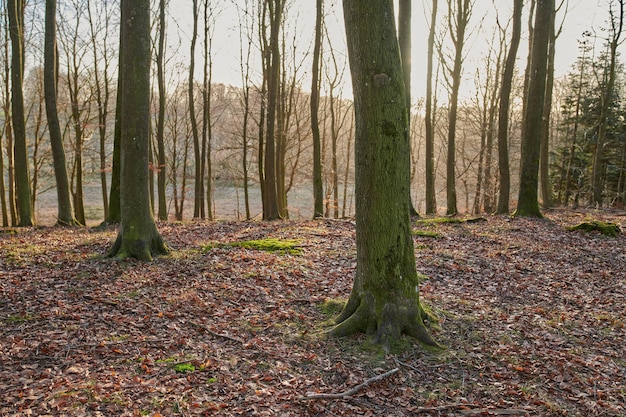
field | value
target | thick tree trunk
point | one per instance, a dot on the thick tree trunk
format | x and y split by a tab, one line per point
65	215
528	201
385	296
138	236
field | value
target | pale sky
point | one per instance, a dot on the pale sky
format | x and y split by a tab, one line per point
581	15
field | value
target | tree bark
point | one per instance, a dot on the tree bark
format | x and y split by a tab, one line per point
22	176
138	236
528	202
160	133
431	204
385	296
65	214
318	189
503	115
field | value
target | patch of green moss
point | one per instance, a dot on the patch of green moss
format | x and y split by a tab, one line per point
291	247
182	368
426	233
20	318
605	228
332	306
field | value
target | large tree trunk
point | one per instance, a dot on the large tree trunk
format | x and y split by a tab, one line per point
528	202
385	296
138	236
65	215
22	176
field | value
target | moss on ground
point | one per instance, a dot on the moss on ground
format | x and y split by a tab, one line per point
605	228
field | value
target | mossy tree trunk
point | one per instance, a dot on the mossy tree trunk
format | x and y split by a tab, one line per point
528	199
138	236
385	296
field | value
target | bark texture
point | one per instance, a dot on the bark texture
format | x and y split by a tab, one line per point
138	236
385	296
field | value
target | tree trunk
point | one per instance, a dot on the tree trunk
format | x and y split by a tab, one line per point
198	204
385	295
528	202
404	40
318	188
160	133
270	200
22	177
65	214
544	163
431	205
607	99
503	115
138	236
463	13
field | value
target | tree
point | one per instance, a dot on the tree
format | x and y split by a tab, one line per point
503	115
385	296
22	177
65	215
431	204
404	39
160	135
318	189
528	202
617	24
138	236
458	19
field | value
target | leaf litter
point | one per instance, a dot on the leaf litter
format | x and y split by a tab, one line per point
532	317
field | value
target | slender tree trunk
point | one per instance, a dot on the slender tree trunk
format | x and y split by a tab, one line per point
160	133
431	204
404	40
198	205
528	202
318	187
22	176
607	99
65	214
270	208
544	163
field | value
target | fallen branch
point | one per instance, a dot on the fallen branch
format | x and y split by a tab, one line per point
350	392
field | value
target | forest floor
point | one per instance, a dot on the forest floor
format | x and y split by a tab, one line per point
531	316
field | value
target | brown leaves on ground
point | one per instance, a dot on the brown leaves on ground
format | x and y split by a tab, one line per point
532	316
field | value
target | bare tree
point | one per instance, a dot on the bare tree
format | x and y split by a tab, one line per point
431	204
617	24
22	177
503	114
318	188
528	203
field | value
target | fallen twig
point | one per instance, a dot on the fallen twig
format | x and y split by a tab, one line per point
350	392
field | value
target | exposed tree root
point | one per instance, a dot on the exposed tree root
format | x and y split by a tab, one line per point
387	322
138	248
